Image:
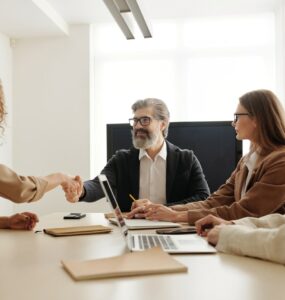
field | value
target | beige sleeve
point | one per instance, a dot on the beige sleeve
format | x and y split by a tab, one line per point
20	188
268	244
268	221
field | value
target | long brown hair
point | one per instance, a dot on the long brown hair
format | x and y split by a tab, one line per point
270	118
2	107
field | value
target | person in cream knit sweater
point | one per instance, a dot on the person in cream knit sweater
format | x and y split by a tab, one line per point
257	237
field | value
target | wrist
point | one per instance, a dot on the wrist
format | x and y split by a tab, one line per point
62	178
179	207
181	217
83	193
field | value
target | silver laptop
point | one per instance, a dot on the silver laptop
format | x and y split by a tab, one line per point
186	243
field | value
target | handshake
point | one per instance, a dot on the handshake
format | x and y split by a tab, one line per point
72	187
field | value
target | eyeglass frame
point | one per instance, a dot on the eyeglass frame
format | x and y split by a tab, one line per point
237	115
134	121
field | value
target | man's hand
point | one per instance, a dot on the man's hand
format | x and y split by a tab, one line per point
140	202
73	188
137	213
26	221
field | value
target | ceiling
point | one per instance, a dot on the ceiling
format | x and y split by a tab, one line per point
38	18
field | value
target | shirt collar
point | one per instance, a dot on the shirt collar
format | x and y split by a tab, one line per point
162	153
251	160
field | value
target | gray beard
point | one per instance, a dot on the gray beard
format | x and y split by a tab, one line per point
146	143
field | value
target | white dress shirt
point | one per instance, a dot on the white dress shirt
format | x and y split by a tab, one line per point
153	176
250	164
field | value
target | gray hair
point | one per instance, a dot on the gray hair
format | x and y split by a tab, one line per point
160	110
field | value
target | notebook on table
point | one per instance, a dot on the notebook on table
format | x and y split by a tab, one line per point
188	243
151	261
77	230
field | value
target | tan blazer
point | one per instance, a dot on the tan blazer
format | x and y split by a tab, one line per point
20	188
265	193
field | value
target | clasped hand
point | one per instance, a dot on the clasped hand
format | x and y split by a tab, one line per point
73	187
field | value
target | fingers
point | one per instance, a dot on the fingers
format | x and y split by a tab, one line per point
31	221
24	221
72	196
31	216
150	212
140	202
134	205
153	208
79	185
73	188
137	213
160	212
143	211
214	234
203	225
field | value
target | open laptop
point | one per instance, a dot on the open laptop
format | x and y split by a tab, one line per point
188	243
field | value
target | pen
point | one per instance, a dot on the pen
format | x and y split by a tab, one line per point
132	197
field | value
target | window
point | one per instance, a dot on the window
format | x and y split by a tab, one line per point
199	67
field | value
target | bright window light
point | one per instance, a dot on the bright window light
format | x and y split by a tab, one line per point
199	67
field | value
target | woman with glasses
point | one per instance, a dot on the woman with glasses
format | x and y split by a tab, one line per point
257	185
27	188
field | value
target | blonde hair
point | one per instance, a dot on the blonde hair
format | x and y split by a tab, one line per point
265	107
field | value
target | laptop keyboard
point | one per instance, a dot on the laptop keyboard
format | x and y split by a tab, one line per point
150	241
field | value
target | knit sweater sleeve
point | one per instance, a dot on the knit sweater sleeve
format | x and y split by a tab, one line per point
264	243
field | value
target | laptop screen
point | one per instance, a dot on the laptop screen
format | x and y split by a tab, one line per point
114	204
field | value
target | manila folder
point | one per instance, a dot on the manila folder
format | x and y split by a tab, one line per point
77	230
151	261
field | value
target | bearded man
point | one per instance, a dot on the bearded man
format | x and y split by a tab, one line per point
153	169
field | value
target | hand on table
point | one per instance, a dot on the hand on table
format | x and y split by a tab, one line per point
26	221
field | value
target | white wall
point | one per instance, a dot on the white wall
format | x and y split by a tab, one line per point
6	207
280	49
51	112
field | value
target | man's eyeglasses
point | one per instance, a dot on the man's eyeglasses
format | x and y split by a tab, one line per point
144	121
237	115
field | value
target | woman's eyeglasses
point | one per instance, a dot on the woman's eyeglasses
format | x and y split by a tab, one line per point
237	115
